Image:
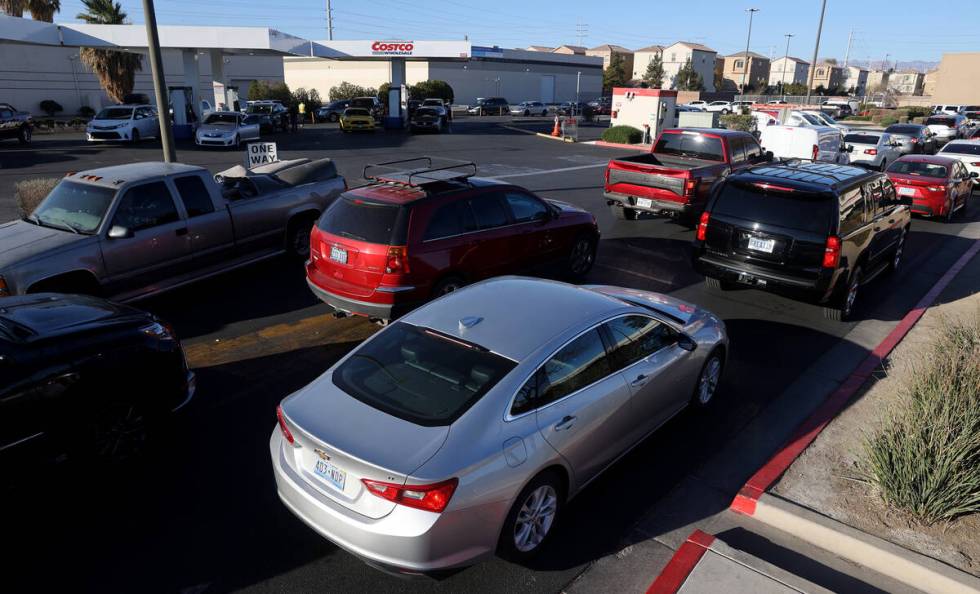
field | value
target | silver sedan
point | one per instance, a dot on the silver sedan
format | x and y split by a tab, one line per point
464	428
227	128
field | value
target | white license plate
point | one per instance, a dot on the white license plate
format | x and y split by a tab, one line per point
762	245
906	191
644	202
333	475
338	254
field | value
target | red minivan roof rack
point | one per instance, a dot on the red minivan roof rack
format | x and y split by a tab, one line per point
402	173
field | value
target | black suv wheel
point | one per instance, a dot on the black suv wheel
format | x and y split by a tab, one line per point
843	309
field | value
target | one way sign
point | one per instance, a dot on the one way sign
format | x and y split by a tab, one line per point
260	153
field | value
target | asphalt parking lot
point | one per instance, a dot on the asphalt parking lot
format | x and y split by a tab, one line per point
200	513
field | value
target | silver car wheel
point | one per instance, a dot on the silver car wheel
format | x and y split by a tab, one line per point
535	518
709	380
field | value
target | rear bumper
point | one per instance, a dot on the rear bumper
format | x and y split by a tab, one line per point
381	311
404	541
817	290
656	204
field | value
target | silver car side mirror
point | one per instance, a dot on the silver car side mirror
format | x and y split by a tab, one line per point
120	232
686	342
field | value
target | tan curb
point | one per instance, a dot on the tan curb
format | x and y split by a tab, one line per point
876	554
550	137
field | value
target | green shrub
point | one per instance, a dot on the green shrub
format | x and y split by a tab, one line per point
889	121
622	135
858	118
86	112
745	123
346	90
51	107
926	458
30	192
918	111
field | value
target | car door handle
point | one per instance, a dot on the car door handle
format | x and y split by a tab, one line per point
565	423
180	232
640	380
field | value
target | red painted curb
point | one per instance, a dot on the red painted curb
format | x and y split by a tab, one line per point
759	483
642	148
681	564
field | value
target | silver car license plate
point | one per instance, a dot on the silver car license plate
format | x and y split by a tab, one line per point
338	254
762	245
333	475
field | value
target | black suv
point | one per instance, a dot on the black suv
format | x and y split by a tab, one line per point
815	231
490	106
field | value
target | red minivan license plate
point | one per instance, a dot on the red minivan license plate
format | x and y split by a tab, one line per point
338	254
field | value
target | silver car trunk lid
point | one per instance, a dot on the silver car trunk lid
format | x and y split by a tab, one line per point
339	440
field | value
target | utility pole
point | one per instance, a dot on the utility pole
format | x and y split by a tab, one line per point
785	62
581	32
159	84
748	40
816	51
847	54
329	21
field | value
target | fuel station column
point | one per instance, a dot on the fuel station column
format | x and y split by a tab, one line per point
395	118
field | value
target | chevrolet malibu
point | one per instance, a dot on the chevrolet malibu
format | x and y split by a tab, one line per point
465	427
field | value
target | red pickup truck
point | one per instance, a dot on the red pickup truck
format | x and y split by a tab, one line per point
677	175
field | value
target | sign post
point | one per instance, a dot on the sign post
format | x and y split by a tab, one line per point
260	153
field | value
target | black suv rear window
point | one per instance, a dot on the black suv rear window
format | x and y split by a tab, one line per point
804	211
941	122
691	145
365	220
420	375
862	138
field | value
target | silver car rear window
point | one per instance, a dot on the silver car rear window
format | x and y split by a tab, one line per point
420	375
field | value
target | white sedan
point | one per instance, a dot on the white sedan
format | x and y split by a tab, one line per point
872	149
967	151
227	128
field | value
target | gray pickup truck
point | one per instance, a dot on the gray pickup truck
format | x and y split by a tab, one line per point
129	231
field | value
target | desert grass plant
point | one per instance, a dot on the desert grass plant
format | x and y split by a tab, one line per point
30	192
925	460
622	135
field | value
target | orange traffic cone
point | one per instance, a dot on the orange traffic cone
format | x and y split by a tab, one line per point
557	130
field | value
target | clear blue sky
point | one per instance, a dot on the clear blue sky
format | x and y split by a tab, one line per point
903	29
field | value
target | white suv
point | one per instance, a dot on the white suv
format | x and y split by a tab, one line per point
123	122
720	106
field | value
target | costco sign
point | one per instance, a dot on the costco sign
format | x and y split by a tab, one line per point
392	48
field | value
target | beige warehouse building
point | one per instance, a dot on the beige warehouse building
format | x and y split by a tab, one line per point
956	79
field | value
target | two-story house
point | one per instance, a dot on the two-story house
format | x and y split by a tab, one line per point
753	69
826	75
788	70
607	51
907	82
855	80
642	58
702	59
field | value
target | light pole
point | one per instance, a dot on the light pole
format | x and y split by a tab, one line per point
816	50
578	81
159	84
748	40
785	62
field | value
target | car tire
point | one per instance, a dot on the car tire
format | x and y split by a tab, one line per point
237	142
884	164
716	284
708	380
950	211
896	260
135	138
843	310
447	285
334	118
625	214
725	112
532	518
24	137
581	258
298	237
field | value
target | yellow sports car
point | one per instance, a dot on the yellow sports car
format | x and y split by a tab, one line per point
356	118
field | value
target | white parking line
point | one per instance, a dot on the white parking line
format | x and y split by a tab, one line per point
547	171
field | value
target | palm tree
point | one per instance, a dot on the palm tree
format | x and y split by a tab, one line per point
116	70
43	10
14	8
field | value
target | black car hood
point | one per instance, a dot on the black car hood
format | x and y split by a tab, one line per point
51	314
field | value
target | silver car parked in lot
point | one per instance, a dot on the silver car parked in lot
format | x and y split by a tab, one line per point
227	128
464	427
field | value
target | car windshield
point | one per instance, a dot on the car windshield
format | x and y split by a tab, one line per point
690	145
940	122
115	113
221	118
356	112
74	207
420	375
432	102
962	148
907	130
918	168
827	119
861	138
363	220
804	211
812	119
259	108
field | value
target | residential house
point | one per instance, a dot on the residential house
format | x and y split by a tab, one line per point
957	79
826	75
539	48
576	50
607	51
788	70
642	58
702	58
907	82
930	82
877	81
753	69
855	79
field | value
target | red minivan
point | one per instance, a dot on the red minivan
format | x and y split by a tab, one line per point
383	249
938	186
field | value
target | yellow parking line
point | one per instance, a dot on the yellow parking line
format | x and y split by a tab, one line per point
321	330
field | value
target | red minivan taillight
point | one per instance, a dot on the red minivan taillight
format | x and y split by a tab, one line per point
831	252
282	426
703	225
397	261
433	498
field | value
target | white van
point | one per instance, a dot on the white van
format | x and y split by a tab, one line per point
813	143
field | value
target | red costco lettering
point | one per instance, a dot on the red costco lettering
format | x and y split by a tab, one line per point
395	46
